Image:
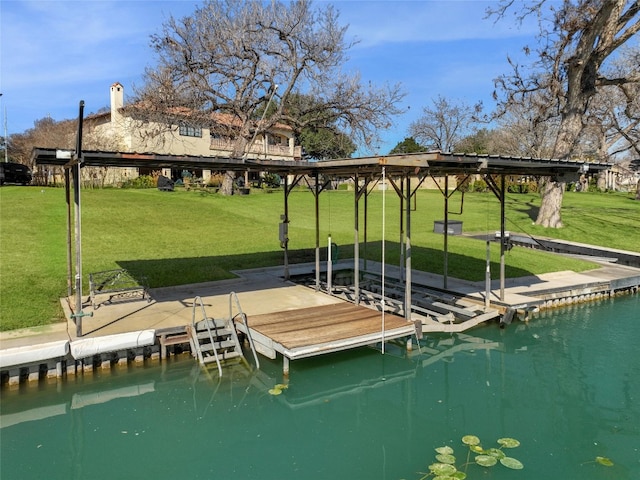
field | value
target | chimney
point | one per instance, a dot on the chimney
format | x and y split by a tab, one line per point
117	100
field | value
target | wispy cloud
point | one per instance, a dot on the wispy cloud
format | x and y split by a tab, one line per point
382	22
63	41
53	50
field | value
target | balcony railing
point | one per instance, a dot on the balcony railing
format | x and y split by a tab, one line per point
258	148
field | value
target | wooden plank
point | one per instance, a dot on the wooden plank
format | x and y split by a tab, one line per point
322	324
302	320
294	323
310	314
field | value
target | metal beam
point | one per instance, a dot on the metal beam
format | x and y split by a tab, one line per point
408	278
356	238
436	163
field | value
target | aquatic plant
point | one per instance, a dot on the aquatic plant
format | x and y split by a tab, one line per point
277	389
604	461
601	461
444	468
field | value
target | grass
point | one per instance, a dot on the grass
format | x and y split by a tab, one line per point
186	237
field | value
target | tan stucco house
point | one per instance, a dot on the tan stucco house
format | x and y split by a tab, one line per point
119	127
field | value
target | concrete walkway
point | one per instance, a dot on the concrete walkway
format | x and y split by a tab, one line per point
259	291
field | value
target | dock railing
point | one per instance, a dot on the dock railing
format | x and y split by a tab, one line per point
233	299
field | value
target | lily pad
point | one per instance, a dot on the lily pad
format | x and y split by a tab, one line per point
509	442
459	475
444	477
486	460
512	463
446	450
275	391
281	386
470	440
476	449
446	458
604	461
441	469
495	452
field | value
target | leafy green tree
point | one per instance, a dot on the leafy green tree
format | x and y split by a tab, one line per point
316	130
408	145
479	142
321	143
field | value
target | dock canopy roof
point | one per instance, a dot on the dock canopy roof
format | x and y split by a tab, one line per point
435	163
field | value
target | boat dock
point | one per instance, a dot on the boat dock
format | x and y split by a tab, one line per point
287	319
284	318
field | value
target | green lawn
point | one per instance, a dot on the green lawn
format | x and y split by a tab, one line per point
185	237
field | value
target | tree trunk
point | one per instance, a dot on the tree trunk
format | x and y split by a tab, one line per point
227	183
549	213
553	189
638	191
239	147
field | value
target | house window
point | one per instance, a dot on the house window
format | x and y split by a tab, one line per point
277	140
190	131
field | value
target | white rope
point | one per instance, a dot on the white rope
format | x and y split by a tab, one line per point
384	190
329	267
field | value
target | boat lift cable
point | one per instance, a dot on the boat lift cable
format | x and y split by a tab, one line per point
384	190
329	255
523	230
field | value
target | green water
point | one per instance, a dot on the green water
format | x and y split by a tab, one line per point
566	385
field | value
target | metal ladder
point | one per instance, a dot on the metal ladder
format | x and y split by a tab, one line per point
243	318
216	340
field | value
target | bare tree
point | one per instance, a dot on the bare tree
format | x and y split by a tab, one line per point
613	117
232	58
444	124
49	133
522	133
46	133
577	37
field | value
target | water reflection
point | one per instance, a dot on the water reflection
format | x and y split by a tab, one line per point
565	386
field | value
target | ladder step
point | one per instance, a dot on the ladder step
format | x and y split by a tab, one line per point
206	347
221	332
212	322
215	340
226	356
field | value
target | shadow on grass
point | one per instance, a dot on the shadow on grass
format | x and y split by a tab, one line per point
528	208
167	272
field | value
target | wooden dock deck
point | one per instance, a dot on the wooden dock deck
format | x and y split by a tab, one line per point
318	330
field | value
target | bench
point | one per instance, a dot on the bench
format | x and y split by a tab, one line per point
119	284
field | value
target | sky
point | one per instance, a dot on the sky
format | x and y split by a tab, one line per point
55	53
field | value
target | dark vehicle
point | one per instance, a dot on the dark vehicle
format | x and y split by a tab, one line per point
165	184
15	173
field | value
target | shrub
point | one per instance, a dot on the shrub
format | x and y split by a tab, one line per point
271	180
143	181
478	186
216	179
